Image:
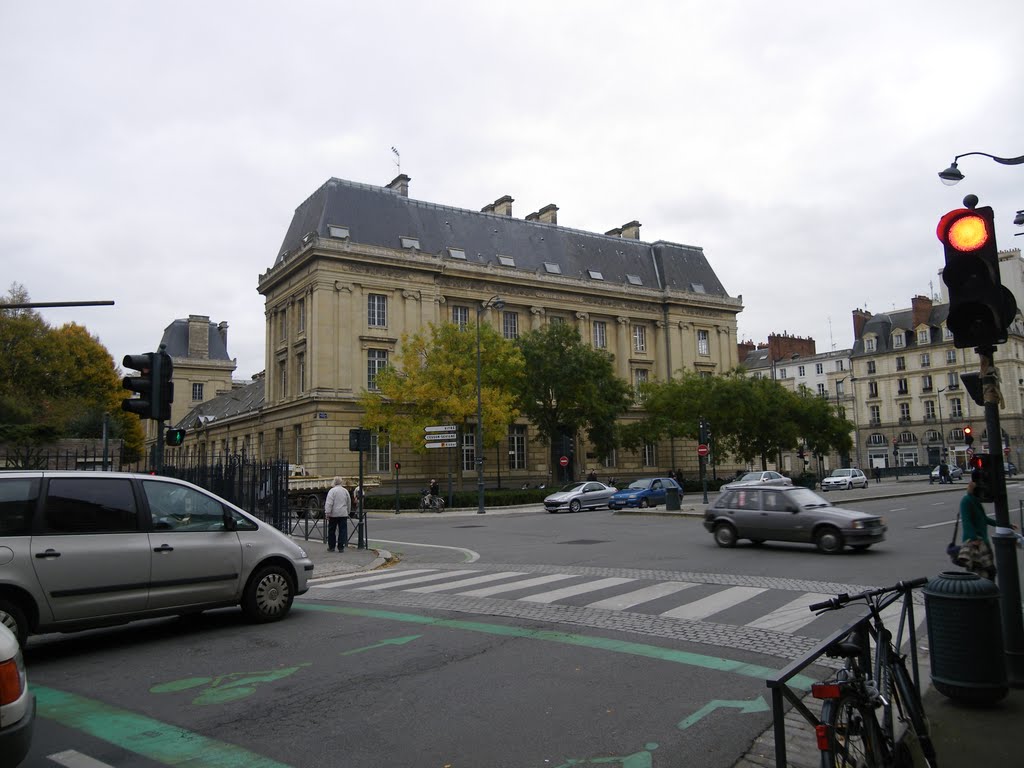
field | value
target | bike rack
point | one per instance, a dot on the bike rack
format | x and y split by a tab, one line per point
781	692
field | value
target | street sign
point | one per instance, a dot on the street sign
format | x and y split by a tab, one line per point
703	450
564	461
436	436
445	444
441	428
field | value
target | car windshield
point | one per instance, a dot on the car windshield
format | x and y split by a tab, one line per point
806	498
840	472
572	487
751	476
639	485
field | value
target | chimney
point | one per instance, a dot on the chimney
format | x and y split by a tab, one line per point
489	208
222	329
617	232
785	347
199	337
744	348
503	206
549	214
400	184
631	230
922	311
535	216
860	319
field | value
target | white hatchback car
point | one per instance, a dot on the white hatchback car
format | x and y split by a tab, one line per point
844	479
87	549
17	705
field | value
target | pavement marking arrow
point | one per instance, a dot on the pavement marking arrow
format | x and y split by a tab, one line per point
382	643
745	707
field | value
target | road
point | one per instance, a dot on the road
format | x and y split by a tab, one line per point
527	641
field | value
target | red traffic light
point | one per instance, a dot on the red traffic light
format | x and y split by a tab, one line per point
398	465
968	431
964	230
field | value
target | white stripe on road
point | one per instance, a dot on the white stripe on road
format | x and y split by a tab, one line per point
497	590
575	589
72	759
792	615
727	598
362	578
936	525
414	580
653	592
468	582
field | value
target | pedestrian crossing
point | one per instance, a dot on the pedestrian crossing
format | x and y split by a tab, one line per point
778	611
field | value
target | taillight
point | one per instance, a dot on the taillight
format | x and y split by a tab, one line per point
821	732
825	690
12	680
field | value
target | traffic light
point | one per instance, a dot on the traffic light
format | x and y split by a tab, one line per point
144	386
968	437
702	436
981	466
398	465
980	307
165	371
174	437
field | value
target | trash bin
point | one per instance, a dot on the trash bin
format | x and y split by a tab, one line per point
672	499
965	638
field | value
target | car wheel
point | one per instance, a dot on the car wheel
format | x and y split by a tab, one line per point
849	486
829	540
725	535
644	504
13	617
268	595
575	506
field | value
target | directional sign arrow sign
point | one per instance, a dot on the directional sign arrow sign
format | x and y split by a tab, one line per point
745	707
446	444
441	428
382	643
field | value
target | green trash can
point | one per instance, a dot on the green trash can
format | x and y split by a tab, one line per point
672	499
965	638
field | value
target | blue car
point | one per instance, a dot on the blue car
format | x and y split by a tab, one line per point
643	493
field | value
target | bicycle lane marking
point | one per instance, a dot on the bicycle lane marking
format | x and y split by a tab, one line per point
141	735
686	658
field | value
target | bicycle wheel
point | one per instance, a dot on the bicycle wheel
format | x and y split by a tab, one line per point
911	713
855	740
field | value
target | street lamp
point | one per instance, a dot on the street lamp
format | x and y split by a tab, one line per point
952	175
942	429
497	303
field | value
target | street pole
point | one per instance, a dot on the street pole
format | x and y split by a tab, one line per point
1004	540
497	303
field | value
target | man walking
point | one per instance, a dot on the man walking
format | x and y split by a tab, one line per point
336	509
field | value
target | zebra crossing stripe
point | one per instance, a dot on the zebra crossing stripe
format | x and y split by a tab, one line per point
380	575
790	617
499	588
413	580
575	589
468	582
644	595
701	609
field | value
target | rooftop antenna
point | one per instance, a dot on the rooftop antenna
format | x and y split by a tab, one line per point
831	340
398	158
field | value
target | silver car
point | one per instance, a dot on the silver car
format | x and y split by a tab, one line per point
589	494
767	477
759	513
85	549
844	480
17	704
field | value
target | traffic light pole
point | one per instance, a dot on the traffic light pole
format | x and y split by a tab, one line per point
1003	540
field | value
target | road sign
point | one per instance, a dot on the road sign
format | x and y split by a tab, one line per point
564	461
703	450
441	428
433	436
445	444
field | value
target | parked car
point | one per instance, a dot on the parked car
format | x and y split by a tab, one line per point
86	549
643	493
766	513
588	494
17	704
844	479
768	478
955	473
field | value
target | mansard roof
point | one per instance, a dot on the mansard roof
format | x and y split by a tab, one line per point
380	216
884	324
176	338
240	400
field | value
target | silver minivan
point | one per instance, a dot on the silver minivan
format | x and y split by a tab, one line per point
86	549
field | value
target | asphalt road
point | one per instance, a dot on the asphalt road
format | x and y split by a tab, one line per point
528	640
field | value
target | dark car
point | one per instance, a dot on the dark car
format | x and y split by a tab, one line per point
779	513
643	493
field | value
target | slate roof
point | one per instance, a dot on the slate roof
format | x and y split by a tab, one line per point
380	216
884	324
239	400
176	338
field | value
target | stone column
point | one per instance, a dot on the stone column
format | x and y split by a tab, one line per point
622	345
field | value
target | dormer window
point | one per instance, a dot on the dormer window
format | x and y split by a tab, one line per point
595	275
339	232
869	344
634	280
923	337
457	253
898	341
506	261
697	287
552	268
411	242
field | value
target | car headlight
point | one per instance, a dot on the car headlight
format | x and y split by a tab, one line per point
302	553
858	524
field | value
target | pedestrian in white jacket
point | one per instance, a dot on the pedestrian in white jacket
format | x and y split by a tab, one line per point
337	507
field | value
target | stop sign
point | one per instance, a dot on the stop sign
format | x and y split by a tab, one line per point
702	450
564	461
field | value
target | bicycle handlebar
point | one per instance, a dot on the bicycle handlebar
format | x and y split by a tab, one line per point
843	598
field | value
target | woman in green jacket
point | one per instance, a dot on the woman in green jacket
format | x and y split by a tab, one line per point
976	550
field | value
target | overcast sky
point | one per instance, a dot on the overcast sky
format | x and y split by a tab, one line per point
167	144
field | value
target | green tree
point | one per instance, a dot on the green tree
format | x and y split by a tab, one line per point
570	387
432	380
821	426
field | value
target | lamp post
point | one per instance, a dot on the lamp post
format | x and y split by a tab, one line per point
497	303
942	429
952	175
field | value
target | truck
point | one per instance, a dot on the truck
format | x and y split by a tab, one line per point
306	492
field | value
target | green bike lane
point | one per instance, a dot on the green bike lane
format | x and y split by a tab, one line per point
337	684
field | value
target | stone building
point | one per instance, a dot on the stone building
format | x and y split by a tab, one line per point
362	265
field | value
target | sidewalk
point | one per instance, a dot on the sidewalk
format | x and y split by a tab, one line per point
963	736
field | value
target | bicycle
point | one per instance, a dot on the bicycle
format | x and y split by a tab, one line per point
851	734
430	502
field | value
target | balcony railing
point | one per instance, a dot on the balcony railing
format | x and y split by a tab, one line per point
904	419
